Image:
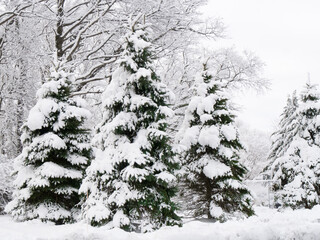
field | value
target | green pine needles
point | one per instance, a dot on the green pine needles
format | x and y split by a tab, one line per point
131	182
56	152
213	174
132	179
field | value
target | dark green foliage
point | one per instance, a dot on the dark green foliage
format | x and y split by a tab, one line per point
213	181
136	148
55	155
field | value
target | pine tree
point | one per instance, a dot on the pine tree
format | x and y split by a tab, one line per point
211	143
296	173
55	153
287	129
130	183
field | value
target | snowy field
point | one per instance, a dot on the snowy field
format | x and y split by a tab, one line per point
268	224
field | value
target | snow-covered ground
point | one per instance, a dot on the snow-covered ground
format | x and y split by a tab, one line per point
267	224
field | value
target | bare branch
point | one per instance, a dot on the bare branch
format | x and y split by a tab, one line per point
89	80
93	70
99	47
77	22
17	11
74	8
76	43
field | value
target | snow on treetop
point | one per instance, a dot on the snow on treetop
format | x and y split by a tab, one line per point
39	113
136	36
141	72
201	86
136	39
310	92
51	86
204	106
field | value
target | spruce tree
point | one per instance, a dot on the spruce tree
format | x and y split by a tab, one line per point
287	129
296	173
55	153
213	174
131	182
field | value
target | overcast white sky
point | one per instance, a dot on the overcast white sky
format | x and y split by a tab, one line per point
285	34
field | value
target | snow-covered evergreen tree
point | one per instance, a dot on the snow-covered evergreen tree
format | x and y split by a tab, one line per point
297	171
131	181
287	129
211	153
55	153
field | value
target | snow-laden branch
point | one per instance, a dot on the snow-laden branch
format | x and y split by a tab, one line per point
18	10
77	22
94	69
75	44
94	79
96	49
85	93
74	8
